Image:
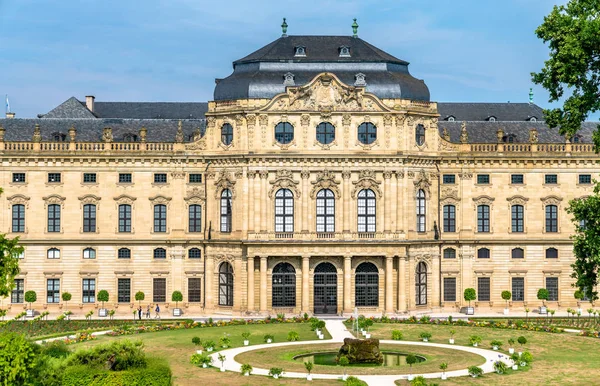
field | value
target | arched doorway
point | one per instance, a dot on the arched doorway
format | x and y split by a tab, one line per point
325	293
284	285
366	286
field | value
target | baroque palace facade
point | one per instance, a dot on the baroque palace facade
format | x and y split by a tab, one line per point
321	178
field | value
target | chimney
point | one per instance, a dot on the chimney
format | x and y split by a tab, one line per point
89	102
10	115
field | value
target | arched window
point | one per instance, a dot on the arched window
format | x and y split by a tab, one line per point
551	218
284	285
194	253
421	284
89	218
421	210
160	218
89	253
18	218
366	291
483	218
420	135
551	253
325	211
366	211
325	133
284	211
54	218
367	133
517	253
449	253
225	284
124	253
195	218
449	218
226	211
59	137
53	253
128	137
284	132
517	218
160	253
483	253
226	134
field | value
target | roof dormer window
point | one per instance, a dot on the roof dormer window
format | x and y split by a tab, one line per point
288	79
576	139
300	51
128	137
344	52
491	118
451	118
510	138
59	137
360	79
532	119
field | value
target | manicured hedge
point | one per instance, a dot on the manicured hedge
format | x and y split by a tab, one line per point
157	373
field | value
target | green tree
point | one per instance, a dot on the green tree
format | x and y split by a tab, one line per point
177	297
30	297
103	296
470	294
572	32
506	295
543	295
66	297
139	296
17	359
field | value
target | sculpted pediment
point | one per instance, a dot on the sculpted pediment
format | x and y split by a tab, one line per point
325	93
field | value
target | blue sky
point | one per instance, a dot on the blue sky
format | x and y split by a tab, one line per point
480	51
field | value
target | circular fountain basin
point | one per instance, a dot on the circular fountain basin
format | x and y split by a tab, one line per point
390	359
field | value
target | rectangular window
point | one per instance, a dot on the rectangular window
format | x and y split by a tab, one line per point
552	287
89	290
124	218
518	289
517	221
125	178
18	293
194	290
195	217
585	178
516	179
551	218
18	218
483	289
89	218
160	178
160	218
54	218
195	178
18	177
54	177
124	290
159	290
53	290
449	179
89	178
551	179
449	289
449	218
483	179
483	218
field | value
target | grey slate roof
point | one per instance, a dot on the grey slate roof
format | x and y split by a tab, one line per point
90	130
485	132
151	110
71	108
482	111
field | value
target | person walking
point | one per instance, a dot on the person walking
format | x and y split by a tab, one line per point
157	310
148	312
140	312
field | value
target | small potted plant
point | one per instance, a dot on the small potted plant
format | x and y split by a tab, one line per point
246	336
103	297
499	367
177	297
410	361
320	327
511	343
222	359
515	359
397	335
452	332
66	297
526	359
368	323
475	371
343	361
522	341
209	345
578	295
425	336
474	340
197	342
543	296
443	367
30	297
275	372
293	336
268	338
309	366
206	360
496	344
225	341
506	295
246	369
470	295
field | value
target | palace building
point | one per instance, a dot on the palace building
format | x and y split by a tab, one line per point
322	177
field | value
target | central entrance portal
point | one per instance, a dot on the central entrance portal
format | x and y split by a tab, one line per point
325	279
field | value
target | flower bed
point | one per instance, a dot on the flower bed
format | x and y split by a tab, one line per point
81	337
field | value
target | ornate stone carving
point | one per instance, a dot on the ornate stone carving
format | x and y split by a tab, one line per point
37	134
387	174
464	136
400	120
325	92
551	200
2	131
305	174
251	119
54	199
195	196
124	199
178	175
156	200
499	135
449	194
238	173
18	199
346	174
239	120
517	200
465	176
346	119
251	174
89	199
387	120
360	80
445	145
107	135
533	136
264	174
210	122
325	180
422	182
399	175
263	119
411	174
199	143
483	200
210	175
143	134
304	120
225	181
72	134
179	134
284	179
445	134
366	180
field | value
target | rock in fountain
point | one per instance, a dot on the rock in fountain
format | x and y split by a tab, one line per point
361	351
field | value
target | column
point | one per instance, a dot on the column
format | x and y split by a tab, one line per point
237	284
394	206
434	278
347	284
305	174
389	285
256	204
387	201
305	284
250	272
346	200
264	200
402	284
263	284
208	279
400	226
251	205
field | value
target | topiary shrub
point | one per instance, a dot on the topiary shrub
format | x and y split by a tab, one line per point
177	297
397	335
116	356
103	296
30	297
353	381
293	336
139	296
156	373
469	295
